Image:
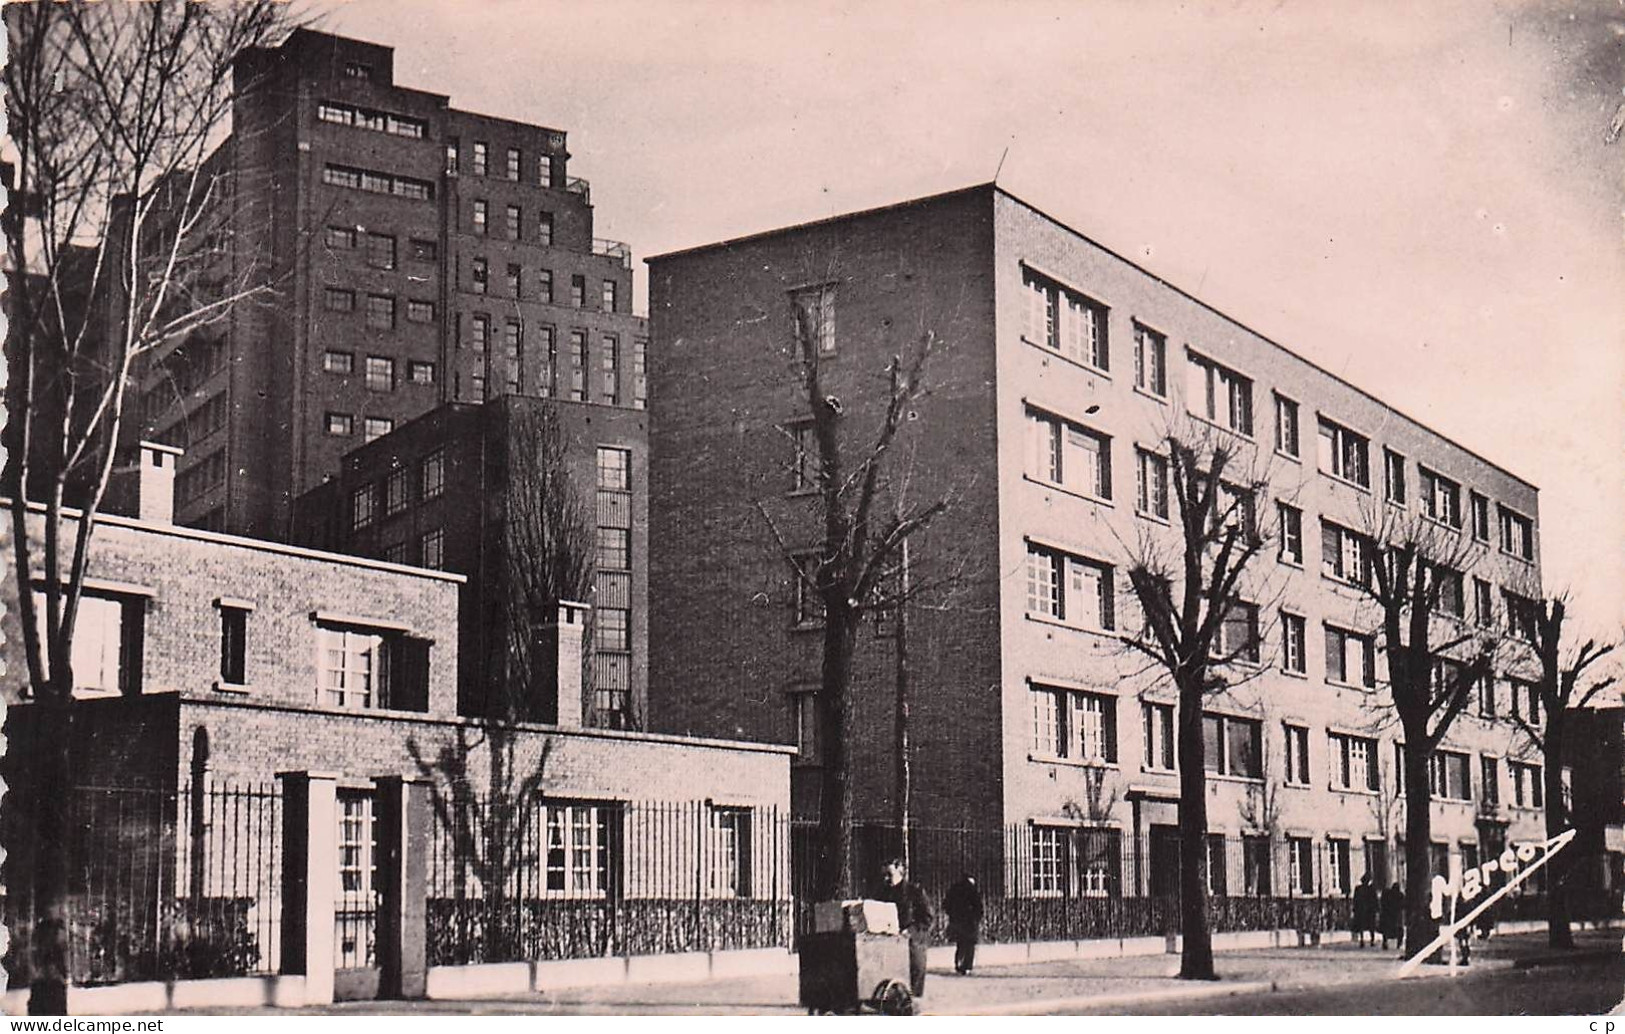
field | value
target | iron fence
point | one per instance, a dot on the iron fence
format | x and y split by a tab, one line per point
161	885
550	879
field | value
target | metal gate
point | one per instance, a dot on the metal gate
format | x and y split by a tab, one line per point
355	914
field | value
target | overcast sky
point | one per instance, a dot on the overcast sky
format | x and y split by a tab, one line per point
1416	196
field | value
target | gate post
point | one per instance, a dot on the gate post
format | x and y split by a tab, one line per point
309	879
401	818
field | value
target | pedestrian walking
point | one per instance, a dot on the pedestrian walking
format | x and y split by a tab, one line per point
1391	917
1364	922
963	906
913	918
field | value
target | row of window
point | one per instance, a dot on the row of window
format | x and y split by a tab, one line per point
370	118
380	308
201	477
1065	321
514	281
548	168
377	182
379	370
381	248
342	425
513	368
429	482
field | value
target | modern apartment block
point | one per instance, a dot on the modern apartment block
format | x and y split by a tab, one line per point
420	255
459	489
1062	370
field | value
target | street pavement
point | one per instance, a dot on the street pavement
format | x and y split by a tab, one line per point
1509	975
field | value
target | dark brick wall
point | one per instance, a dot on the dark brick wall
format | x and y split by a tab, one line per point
723	651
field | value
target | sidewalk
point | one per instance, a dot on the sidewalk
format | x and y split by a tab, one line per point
1022	989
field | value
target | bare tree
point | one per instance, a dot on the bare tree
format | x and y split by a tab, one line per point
1196	629
855	570
1561	673
1412	569
113	239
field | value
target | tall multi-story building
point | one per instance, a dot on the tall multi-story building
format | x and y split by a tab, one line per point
420	255
1060	373
515	495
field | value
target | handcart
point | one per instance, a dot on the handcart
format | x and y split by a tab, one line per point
845	971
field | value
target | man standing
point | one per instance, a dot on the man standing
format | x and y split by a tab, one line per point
913	918
963	906
1365	912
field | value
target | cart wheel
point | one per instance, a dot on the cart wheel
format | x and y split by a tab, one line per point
894	998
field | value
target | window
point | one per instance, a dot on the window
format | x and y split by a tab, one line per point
549	357
804	713
578	292
1294	643
1074	724
1490	779
1065	321
233	644
1150	484
1286	426
349	667
1486	696
614	549
1351	658
105	655
357	70
1517	534
1452	591
1522	615
376	427
339	299
1527	789
1237	508
380	373
1076	862
395	553
1237	637
1217	871
1051	860
480	337
1297	755
423	251
418	311
1480	507
1399	779
452	156
482	157
515	163
608	296
1344	453
341	176
341	237
1069	589
544	170
395	496
613	629
380	312
728	850
614	468
1300	852
1344	554
514	221
1291	521
544	229
814	308
380	251
1393	477
1065	454
1150	361
640	374
361	506
1218	394
1158	727
1354	762
1525	701
479	274
433	479
578	848
544	286
578	365
482	216
1342	877
338	362
807	605
434	549
513	353
609	358
1449	777
1483	604
1255	861
1233	746
1440	496
340	425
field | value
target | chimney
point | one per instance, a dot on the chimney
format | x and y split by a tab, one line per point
566	634
143	486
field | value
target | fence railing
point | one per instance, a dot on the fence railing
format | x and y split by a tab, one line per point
514	880
161	885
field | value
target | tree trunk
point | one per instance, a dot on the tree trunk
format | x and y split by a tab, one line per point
1420	926
834	879
905	774
53	797
1196	958
1558	934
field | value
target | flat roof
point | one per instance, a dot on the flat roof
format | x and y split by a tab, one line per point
994	188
